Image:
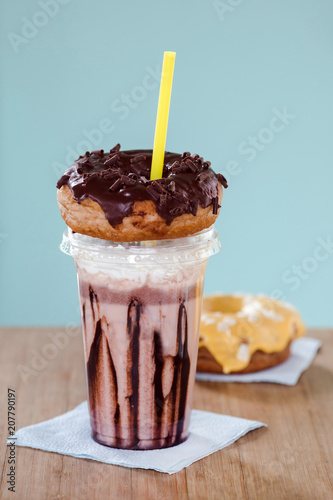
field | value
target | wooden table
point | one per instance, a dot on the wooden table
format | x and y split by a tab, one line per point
291	459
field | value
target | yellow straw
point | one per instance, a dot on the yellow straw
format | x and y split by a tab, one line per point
162	115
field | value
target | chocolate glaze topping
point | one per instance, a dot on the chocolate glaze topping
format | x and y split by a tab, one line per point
117	179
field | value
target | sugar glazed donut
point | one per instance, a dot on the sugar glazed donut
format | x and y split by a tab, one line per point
245	333
110	195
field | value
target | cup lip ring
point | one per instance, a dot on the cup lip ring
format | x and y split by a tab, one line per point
198	246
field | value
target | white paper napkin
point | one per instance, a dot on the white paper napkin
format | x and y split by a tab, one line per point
70	434
302	353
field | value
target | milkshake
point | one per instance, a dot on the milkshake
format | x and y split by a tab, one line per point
140	308
140	247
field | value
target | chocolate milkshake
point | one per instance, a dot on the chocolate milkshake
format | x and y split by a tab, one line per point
140	307
140	249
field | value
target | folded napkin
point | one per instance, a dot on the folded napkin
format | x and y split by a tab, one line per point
302	353
70	434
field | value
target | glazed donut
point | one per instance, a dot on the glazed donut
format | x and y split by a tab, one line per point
110	195
244	333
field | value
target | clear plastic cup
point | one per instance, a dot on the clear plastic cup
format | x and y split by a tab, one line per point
140	311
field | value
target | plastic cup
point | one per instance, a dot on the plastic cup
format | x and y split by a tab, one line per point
140	310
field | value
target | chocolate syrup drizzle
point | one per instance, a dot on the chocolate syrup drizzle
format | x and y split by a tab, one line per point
184	365
133	330
116	180
100	376
158	390
97	380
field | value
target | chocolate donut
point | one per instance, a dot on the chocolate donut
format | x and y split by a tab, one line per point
110	195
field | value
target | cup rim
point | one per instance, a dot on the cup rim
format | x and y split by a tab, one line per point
198	246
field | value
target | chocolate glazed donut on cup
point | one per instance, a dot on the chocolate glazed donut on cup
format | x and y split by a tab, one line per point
140	300
110	196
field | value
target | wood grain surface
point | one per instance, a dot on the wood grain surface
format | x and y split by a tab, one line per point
291	459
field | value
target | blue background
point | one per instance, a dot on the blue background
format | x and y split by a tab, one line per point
238	64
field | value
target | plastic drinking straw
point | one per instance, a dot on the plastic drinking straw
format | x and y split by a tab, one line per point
162	115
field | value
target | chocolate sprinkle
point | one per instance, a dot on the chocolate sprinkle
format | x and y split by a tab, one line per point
113	159
63	180
138	159
115	185
155	194
108	175
222	180
215	205
128	181
115	149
